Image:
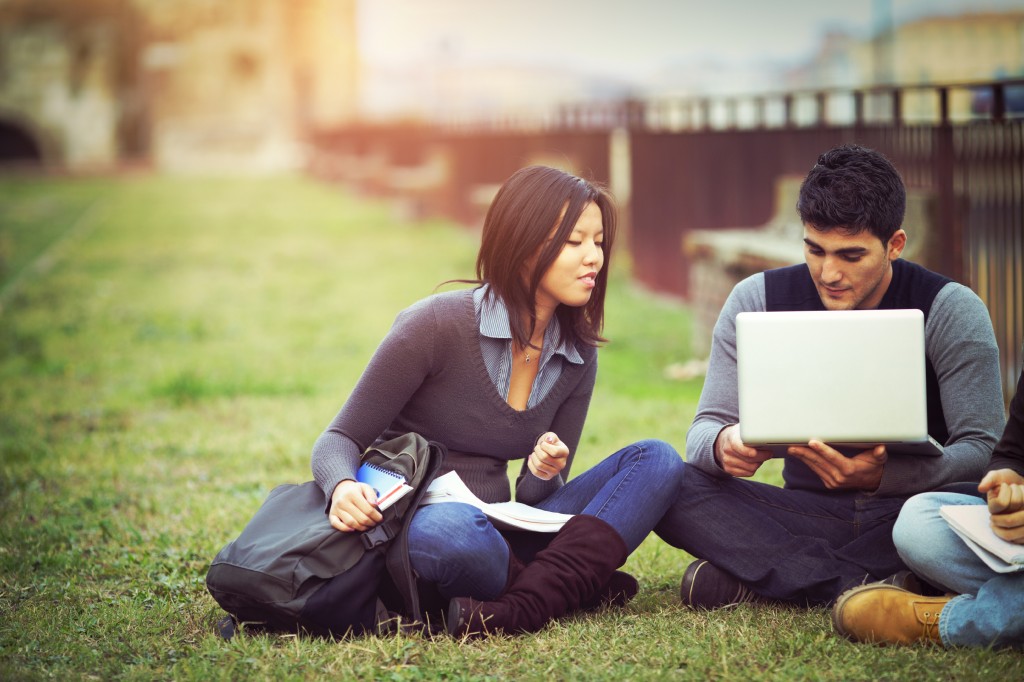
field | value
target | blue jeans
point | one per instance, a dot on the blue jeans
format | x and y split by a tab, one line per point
798	546
454	546
990	608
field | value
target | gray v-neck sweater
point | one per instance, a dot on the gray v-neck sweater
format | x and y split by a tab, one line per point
428	376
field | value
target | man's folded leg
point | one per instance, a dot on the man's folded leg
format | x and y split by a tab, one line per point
795	546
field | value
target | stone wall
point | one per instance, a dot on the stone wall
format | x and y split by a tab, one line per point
189	85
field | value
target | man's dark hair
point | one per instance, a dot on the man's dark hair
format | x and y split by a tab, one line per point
853	188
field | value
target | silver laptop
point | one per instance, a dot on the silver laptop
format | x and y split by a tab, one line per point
852	379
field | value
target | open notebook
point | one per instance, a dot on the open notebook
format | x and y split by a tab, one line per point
849	378
511	515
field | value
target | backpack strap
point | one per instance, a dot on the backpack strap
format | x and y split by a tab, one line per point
377	535
398	565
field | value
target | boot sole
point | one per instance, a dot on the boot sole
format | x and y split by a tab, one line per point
455	623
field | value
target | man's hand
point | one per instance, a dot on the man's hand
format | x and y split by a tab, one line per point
548	457
735	458
1004	490
863	471
354	507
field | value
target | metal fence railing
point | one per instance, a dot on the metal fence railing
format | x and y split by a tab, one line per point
712	164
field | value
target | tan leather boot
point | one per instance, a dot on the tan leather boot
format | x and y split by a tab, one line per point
886	614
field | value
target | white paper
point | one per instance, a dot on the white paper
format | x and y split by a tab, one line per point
514	515
972	523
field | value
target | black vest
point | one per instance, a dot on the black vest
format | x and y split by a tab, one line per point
912	286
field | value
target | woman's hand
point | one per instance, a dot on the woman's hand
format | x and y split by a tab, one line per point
354	507
548	457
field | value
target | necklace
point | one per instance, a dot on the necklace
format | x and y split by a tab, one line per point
527	354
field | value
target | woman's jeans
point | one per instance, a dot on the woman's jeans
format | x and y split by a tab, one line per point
454	546
990	608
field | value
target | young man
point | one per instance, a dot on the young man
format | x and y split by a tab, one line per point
989	608
830	527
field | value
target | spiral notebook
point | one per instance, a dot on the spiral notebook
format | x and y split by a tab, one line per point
390	486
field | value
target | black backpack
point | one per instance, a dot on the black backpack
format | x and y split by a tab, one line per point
290	570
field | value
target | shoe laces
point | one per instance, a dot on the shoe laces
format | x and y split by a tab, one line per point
929	620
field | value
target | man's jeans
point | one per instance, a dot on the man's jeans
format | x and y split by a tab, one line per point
454	545
798	546
990	608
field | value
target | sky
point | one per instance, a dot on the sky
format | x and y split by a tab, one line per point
622	38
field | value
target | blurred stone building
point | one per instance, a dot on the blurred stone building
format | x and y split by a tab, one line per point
941	49
187	85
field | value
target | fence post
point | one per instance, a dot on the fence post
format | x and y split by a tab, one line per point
949	216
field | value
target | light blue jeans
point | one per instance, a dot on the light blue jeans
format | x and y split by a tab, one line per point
454	546
990	608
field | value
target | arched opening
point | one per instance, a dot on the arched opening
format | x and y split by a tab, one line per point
17	146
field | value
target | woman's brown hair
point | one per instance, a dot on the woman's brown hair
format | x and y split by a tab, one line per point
517	230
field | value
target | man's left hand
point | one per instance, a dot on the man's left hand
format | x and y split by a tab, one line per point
863	471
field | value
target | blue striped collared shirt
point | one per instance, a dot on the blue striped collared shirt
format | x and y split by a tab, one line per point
496	347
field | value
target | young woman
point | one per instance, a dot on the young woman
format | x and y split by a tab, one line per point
505	372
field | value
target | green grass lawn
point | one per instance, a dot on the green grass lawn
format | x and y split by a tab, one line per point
170	349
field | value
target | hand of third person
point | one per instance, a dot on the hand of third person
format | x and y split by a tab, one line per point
1004	491
549	456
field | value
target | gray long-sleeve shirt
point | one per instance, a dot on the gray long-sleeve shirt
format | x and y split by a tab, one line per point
961	346
428	375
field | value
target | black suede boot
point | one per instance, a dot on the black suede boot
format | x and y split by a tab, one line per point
571	571
618	591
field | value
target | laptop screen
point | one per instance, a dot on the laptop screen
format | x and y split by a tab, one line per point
844	377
